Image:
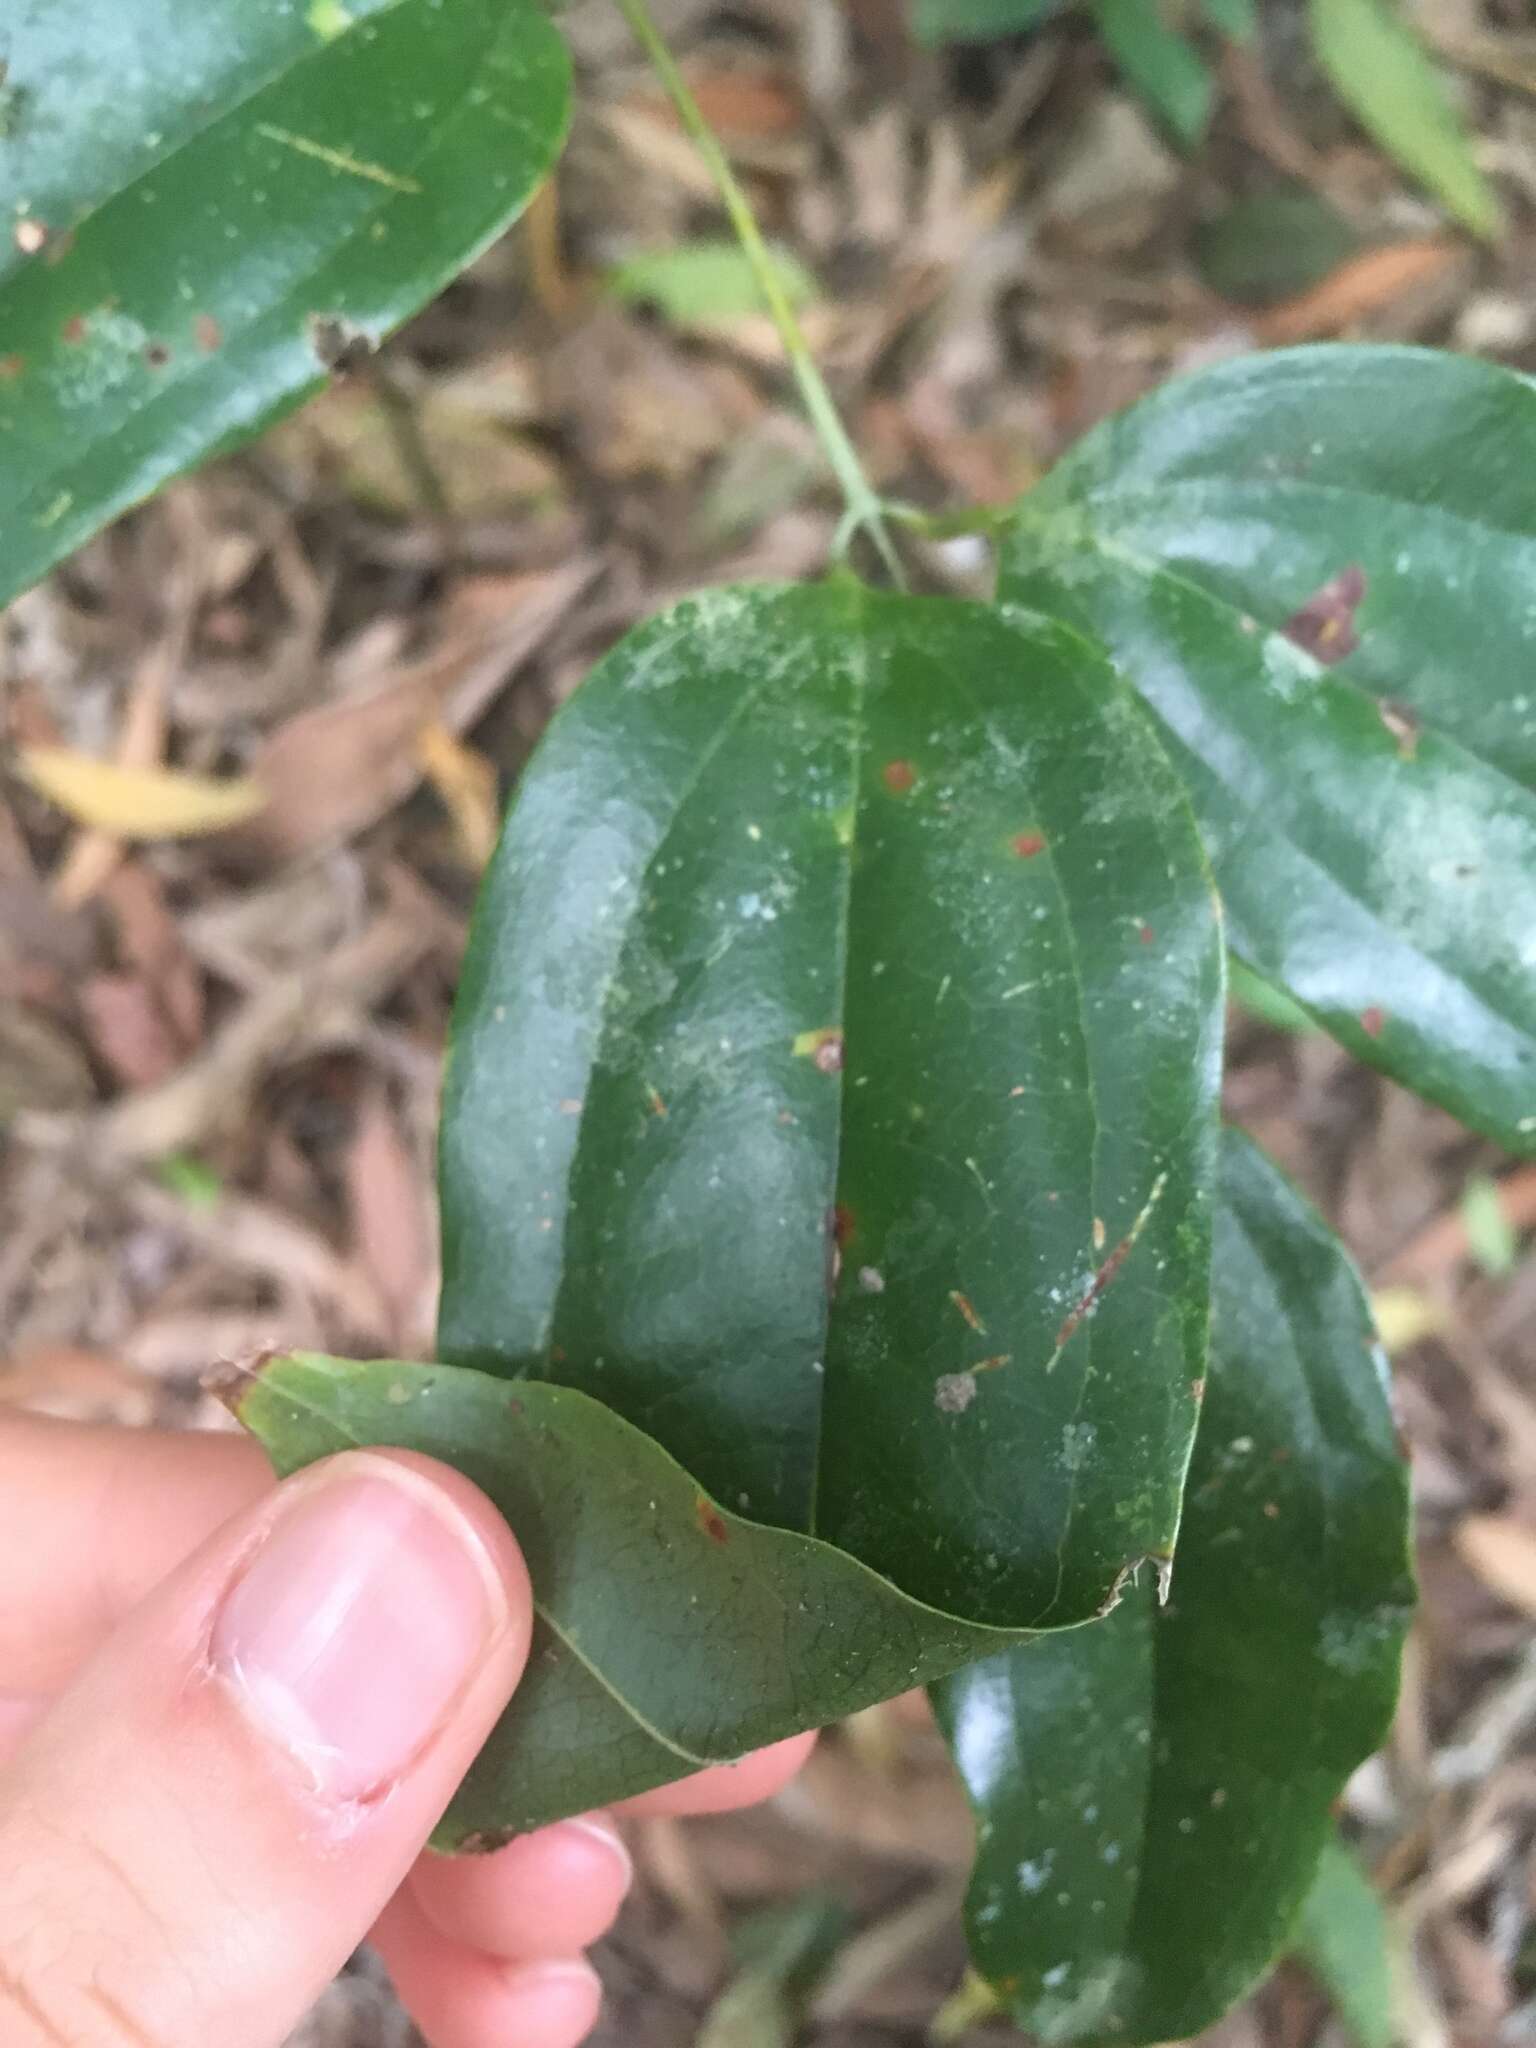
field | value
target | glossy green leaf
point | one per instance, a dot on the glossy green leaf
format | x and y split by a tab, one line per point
1343	1936
972	21
1163	67
207	203
793	1114
1154	1792
1385	77
1319	568
843	998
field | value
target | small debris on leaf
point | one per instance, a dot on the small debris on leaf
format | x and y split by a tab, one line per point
973	1320
954	1392
1403	726
1027	844
898	776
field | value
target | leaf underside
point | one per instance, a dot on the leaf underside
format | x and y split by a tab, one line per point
1317	568
1153	1792
207	209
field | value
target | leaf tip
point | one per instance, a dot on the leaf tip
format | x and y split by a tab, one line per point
231	1380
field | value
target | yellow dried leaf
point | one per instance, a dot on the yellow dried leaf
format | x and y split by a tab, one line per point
138	803
466	782
1404	1317
1502	1552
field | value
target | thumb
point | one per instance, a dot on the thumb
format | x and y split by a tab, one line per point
207	1823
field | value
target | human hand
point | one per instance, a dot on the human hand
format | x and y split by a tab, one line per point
230	1714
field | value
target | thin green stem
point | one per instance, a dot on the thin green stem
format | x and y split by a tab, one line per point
865	510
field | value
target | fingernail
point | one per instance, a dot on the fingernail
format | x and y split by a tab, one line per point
557	2003
598	1828
350	1635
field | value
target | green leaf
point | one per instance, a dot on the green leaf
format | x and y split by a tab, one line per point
1381	72
791	1112
842	934
781	1950
1343	1936
700	283
1490	1234
1165	70
670	1631
1268	245
1153	1793
210	202
974	21
1368	805
1238	20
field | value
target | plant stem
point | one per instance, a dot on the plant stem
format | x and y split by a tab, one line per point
865	509
977	519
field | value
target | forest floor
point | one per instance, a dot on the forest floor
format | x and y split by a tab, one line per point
219	1067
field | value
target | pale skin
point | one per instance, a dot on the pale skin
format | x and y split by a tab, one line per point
209	1796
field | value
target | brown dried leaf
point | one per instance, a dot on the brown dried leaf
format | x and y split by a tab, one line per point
391	1222
1360	288
149	940
334	770
129	1030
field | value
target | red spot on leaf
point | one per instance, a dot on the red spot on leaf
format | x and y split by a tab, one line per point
73	329
207	333
828	1056
898	777
1373	1021
711	1521
842	1224
11	366
1325	625
1027	844
1145	933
